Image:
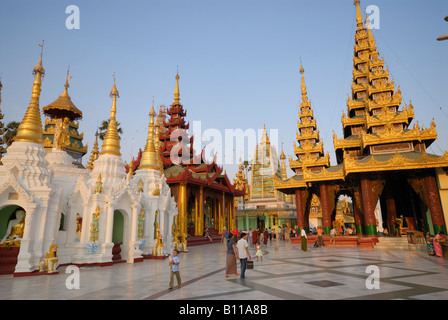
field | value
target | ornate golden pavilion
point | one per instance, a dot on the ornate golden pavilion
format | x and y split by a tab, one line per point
59	110
382	155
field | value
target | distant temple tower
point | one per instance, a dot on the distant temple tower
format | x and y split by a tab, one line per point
265	207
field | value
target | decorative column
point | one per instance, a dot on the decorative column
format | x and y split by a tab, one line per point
326	208
26	254
220	215
391	211
358	218
433	201
300	209
200	212
368	205
182	204
224	212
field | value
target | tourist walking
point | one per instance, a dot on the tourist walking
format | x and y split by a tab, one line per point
259	253
304	239
242	249
231	256
174	267
320	240
333	236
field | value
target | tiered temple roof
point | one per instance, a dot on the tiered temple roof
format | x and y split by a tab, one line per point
310	149
378	134
374	123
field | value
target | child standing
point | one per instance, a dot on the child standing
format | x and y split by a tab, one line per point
259	252
174	267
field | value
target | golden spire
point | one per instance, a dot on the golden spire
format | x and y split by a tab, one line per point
303	86
94	154
265	138
111	144
149	155
358	14
176	90
30	129
283	168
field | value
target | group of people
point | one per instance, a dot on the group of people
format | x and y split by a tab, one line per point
238	250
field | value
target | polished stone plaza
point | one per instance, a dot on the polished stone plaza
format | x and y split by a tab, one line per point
286	273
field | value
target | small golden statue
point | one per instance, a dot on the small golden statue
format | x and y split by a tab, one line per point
131	169
158	250
140	229
78	226
51	261
94	226
156	191
175	234
63	134
99	185
140	187
184	242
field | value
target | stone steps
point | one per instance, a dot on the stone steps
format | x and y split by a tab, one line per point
398	243
8	259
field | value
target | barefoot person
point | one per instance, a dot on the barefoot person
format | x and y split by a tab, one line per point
174	267
242	249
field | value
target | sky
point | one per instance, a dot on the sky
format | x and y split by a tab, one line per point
238	62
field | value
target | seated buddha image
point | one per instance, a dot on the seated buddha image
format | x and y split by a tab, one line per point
14	230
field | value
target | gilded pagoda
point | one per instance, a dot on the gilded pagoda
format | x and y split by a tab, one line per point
381	156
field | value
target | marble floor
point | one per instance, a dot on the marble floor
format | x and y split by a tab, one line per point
286	273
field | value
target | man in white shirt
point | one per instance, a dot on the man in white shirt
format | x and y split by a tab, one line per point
242	249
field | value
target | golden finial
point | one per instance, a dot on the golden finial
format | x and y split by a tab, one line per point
30	129
265	138
282	155
149	156
111	144
303	86
39	68
176	90
114	91
358	14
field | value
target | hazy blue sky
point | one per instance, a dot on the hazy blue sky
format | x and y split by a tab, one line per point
238	61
